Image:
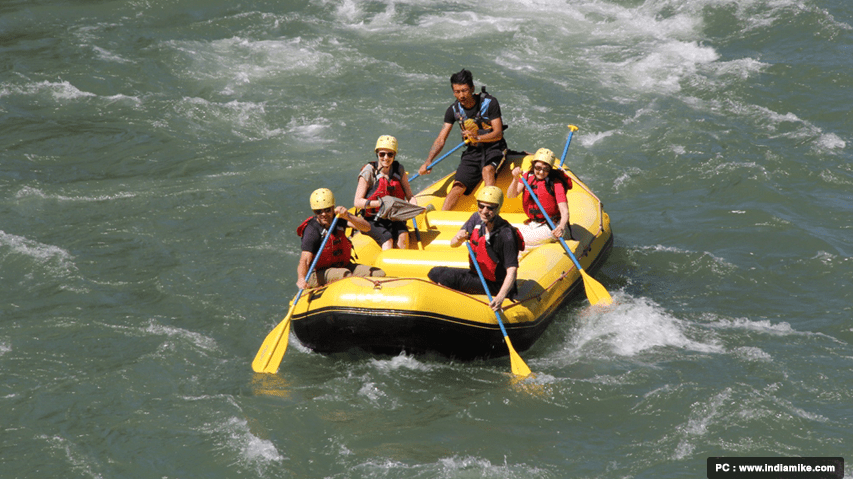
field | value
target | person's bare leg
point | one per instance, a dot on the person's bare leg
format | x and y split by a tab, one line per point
453	196
489	175
403	240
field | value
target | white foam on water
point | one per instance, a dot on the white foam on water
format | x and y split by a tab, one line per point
742	68
831	141
62	92
79	460
789	125
590	138
703	415
109	56
690	261
372	393
462	25
738	405
199	340
451	467
835	178
626	178
765	326
351	14
28	192
762	326
52	257
253	450
399	362
310	131
752	353
241	118
662	69
238	61
631	326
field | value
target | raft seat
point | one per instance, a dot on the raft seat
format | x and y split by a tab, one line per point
441	226
415	263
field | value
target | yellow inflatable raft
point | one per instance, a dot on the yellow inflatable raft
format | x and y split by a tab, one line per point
406	312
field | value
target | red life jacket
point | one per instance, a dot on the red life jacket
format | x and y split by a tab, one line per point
337	250
486	258
548	200
385	186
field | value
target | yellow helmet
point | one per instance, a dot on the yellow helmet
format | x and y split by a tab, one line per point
546	156
388	142
322	198
492	194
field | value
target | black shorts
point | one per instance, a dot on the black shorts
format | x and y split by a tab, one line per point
470	170
381	230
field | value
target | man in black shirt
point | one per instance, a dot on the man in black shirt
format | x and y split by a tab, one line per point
496	244
479	115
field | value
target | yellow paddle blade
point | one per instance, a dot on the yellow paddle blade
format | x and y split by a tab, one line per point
595	292
519	367
272	349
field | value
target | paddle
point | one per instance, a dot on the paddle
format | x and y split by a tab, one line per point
272	349
595	292
460	145
429	207
572	130
519	367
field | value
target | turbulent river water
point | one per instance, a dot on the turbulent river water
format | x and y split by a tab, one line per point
157	157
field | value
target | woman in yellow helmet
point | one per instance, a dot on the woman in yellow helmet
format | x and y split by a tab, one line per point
380	178
335	261
495	243
550	183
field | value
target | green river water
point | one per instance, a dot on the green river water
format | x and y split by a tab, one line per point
157	156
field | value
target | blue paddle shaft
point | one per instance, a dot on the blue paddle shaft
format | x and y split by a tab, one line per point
550	223
436	161
485	286
566	149
317	256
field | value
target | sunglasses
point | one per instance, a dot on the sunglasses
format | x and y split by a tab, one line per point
544	168
488	207
383	154
324	210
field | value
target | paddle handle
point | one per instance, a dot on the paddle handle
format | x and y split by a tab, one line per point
572	130
460	145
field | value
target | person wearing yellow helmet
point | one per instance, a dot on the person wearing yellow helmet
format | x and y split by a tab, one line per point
335	260
380	178
550	183
479	115
496	245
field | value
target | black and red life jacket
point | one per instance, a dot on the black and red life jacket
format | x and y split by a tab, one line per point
481	117
546	197
335	254
486	257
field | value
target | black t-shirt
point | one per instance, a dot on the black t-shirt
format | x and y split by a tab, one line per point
493	111
314	233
